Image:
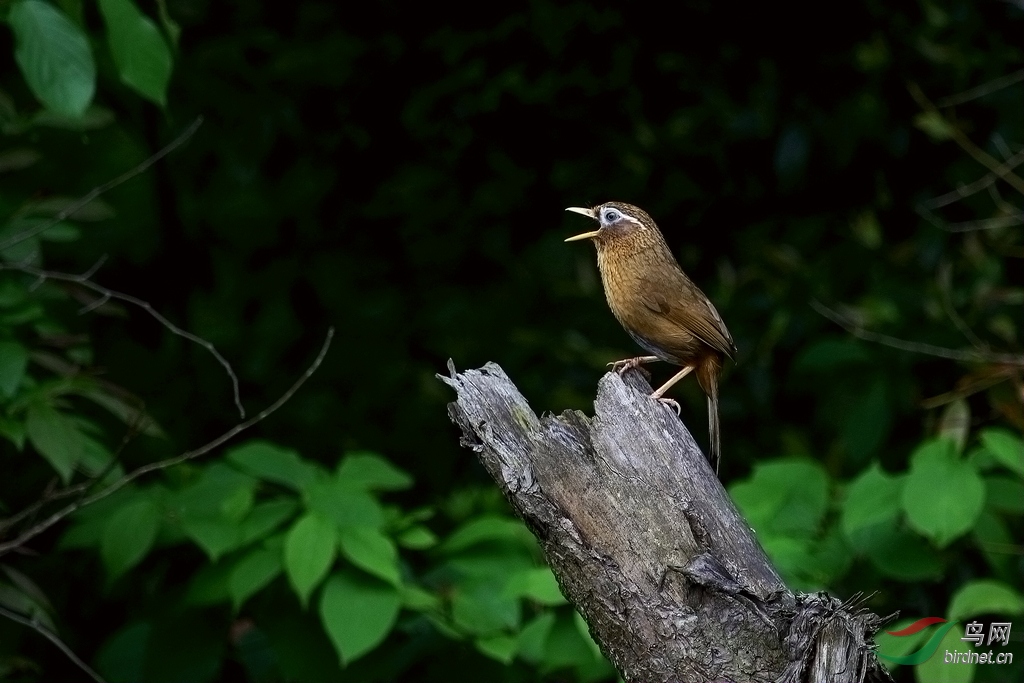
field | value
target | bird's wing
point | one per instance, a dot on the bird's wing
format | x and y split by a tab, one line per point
702	321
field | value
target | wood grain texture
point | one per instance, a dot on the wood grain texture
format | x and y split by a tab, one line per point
648	545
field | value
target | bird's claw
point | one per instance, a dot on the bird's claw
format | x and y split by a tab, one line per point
671	403
620	366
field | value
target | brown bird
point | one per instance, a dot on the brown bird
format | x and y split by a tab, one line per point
660	307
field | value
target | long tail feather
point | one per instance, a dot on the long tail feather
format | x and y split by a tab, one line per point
707	377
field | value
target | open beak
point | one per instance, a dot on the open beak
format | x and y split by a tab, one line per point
589	213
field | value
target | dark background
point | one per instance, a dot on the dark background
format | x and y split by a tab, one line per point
400	172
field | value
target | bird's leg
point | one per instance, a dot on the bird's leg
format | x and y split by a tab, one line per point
657	395
620	366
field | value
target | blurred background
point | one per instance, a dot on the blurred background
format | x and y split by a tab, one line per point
399	172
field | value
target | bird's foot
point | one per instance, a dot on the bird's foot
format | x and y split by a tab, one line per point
671	403
621	366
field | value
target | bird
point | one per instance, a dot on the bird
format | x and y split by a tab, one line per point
658	305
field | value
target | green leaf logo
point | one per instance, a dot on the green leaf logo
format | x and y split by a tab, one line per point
928	649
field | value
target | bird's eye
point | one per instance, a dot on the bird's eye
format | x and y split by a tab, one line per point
611	216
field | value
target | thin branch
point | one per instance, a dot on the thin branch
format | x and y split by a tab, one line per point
176	460
964	355
105	187
975	225
945	276
982	90
107	294
53	638
978	154
980	184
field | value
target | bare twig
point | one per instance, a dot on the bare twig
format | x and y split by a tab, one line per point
980	184
170	462
105	187
53	638
958	136
945	277
107	294
964	355
982	90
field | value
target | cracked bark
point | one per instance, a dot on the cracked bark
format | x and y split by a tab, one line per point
646	543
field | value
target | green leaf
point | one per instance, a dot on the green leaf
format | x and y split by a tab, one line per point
501	647
903	555
358	612
482	608
985	596
1005	447
1005	494
943	494
252	573
417	538
123	655
873	498
371	472
784	497
935	669
214	536
13	362
369	549
309	550
140	52
344	505
534	637
272	463
415	598
55	437
481	529
537	584
54	56
265	517
932	123
566	646
128	535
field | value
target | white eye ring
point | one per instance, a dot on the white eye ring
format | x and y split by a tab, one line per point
611	215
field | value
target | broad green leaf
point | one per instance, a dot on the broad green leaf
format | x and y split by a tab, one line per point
369	549
500	647
867	419
486	528
265	517
993	537
935	669
482	608
54	57
13	362
134	416
343	505
534	637
55	437
252	573
221	493
901	554
215	536
943	494
584	631
784	497
417	538
1006	447
537	584
209	585
309	550
140	52
128	535
272	463
358	612
872	498
372	472
417	599
985	596
1005	494
123	655
566	646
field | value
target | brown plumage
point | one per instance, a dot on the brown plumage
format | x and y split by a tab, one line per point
660	307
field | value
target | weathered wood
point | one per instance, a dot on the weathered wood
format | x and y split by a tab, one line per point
647	544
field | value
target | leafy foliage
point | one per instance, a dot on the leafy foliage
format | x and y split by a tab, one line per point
401	175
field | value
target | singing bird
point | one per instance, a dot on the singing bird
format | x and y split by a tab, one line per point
660	307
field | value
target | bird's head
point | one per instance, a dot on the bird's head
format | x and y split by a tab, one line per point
618	220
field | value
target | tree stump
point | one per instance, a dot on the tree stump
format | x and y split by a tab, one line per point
647	544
